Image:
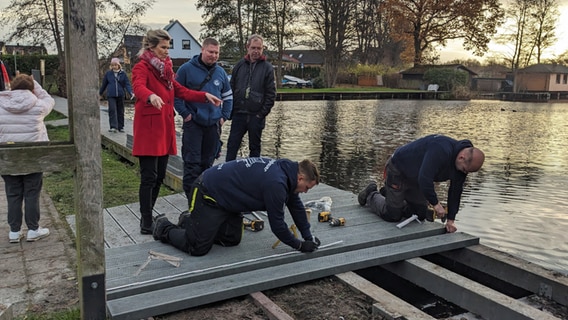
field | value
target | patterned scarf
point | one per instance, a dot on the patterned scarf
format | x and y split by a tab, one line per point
164	67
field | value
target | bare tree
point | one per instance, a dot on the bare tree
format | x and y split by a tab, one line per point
41	21
232	21
545	15
331	20
429	23
285	14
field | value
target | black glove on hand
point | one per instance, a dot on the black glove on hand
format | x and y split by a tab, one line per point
310	245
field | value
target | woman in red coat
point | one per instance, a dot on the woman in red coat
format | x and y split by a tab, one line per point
154	139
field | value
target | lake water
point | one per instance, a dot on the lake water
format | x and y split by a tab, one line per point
516	203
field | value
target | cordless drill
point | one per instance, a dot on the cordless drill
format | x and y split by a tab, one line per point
336	222
324	216
255	225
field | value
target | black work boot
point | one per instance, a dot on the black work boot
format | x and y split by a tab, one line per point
182	219
146	225
163	226
363	195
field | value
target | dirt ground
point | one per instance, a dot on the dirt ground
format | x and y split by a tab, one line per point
323	299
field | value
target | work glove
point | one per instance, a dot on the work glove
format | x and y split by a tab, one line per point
310	245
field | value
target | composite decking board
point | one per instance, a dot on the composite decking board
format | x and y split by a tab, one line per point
129	222
197	293
115	236
259	244
122	265
178	200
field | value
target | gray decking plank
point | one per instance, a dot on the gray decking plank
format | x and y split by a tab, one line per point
122	263
129	220
177	200
115	236
197	293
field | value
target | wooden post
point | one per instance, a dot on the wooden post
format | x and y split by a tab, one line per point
82	90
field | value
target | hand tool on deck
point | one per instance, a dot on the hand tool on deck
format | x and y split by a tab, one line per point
432	214
256	224
293	229
407	221
336	222
324	216
174	261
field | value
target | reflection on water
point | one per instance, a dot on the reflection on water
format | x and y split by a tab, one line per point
515	203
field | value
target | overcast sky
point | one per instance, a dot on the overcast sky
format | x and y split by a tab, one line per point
185	12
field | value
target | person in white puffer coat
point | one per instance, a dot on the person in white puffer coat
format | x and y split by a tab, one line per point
22	111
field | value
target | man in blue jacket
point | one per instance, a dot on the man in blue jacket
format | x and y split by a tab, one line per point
222	192
202	122
410	175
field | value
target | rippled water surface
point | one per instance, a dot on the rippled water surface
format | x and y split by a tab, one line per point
516	203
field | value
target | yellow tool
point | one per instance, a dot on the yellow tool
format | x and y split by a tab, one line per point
293	228
253	224
336	222
432	213
324	216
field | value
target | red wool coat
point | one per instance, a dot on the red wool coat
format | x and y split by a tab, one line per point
154	130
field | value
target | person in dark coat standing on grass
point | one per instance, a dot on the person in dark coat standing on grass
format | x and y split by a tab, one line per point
116	84
154	136
254	91
223	192
411	173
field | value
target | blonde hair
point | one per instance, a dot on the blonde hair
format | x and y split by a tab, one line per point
22	82
153	38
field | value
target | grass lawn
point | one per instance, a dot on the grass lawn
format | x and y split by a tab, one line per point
120	180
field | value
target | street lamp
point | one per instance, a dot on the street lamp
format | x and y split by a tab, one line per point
15	63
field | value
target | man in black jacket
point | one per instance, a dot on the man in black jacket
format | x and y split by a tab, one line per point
254	91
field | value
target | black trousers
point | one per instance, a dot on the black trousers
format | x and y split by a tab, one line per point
199	145
241	124
23	190
206	225
152	174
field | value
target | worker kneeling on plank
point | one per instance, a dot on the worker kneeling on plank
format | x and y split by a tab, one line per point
410	175
222	192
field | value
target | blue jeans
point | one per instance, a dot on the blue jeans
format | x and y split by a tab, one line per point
199	147
241	124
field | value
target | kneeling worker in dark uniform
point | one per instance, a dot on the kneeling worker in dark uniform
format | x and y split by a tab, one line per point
411	173
222	192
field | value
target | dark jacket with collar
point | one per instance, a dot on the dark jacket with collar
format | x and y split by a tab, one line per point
191	75
260	184
115	86
433	159
259	76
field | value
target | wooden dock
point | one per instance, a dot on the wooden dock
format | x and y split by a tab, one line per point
135	291
224	273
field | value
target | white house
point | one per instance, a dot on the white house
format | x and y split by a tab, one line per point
183	45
